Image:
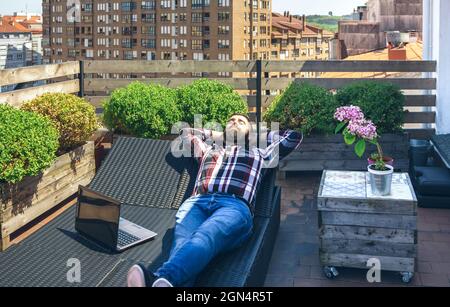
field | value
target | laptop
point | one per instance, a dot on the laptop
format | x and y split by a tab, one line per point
98	219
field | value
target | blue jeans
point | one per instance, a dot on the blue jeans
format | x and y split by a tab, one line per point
206	225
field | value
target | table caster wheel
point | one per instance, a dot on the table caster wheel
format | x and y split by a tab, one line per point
330	272
406	277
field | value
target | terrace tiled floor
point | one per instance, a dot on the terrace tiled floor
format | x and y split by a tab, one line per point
295	259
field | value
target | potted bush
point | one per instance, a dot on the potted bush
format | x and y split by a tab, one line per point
358	130
215	101
142	110
305	107
311	109
45	156
74	117
28	145
308	108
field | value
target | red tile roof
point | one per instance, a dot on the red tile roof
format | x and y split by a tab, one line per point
286	22
21	24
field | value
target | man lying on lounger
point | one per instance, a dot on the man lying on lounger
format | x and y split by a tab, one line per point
218	217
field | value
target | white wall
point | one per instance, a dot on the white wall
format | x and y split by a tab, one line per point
436	39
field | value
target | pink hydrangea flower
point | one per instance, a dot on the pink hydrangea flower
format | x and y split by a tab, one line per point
348	113
363	128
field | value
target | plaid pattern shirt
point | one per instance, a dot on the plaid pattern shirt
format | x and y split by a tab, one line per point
235	170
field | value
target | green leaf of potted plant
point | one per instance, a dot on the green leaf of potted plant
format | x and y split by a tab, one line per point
358	130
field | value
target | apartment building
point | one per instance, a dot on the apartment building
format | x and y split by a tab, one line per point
294	39
20	42
156	30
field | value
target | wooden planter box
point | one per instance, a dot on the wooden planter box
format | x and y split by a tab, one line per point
23	202
317	153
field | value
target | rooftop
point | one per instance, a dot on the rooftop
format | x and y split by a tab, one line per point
413	53
295	256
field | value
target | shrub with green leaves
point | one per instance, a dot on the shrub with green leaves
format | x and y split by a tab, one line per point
74	117
28	144
380	102
304	107
142	110
212	99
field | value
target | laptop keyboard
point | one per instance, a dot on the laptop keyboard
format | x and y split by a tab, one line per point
124	238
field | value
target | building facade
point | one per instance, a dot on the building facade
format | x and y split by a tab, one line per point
294	39
20	42
156	29
369	31
176	30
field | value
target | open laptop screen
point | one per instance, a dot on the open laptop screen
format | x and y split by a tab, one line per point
98	217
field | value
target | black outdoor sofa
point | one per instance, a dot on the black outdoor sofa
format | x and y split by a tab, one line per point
432	181
145	176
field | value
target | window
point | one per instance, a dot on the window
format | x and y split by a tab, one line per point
86	7
198	56
197	17
183	43
129	43
165	29
223	44
165	17
148	17
197	44
200	3
223	16
224	57
165	4
183	30
128	6
129	55
182	17
148	43
149	30
224	30
197	31
148	5
148	55
223	3
166	56
166	43
129	30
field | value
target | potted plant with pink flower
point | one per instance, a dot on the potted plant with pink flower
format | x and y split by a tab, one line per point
358	130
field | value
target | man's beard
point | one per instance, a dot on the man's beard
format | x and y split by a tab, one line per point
236	138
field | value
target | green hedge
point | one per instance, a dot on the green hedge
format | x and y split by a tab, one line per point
381	102
142	110
74	117
304	107
28	144
212	99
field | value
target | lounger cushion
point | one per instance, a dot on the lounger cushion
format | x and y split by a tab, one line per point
432	181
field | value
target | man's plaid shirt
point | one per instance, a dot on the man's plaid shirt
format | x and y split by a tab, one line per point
235	170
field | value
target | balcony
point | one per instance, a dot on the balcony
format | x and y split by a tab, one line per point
295	255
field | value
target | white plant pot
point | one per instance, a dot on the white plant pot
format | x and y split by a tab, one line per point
380	181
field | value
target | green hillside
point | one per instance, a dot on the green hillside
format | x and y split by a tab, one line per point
326	22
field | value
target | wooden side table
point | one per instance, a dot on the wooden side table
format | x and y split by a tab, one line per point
356	225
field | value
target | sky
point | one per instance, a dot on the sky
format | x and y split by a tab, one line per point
320	7
307	7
